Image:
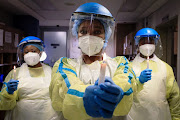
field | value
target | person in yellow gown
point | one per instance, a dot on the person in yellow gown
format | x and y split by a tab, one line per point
25	93
74	89
160	97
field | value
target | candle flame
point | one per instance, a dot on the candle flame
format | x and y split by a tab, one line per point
104	56
14	67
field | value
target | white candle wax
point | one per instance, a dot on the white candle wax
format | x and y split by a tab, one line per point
102	70
148	62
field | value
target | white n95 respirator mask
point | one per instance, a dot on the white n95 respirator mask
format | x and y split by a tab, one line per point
147	49
91	45
32	58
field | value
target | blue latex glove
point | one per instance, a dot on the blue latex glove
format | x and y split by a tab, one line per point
106	113
108	97
12	86
91	107
1	78
145	75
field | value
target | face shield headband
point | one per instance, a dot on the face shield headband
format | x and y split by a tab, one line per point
33	44
154	37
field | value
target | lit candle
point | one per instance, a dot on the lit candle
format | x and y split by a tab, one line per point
102	70
148	62
14	73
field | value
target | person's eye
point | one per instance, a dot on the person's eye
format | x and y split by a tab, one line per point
33	51
97	32
84	32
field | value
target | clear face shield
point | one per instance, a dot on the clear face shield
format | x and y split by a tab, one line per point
150	45
91	33
21	52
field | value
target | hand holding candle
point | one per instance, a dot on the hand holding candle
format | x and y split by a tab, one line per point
102	70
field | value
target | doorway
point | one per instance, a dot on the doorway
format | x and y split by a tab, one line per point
169	36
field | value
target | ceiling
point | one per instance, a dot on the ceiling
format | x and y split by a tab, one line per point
58	12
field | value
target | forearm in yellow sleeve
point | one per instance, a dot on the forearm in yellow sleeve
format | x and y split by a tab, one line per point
66	91
126	79
126	66
7	101
174	102
125	104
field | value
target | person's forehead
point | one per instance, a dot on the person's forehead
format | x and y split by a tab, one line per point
94	23
30	47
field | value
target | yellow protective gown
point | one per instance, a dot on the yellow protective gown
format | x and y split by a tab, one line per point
31	101
70	77
160	97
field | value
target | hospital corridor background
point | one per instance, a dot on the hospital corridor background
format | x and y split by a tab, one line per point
49	20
